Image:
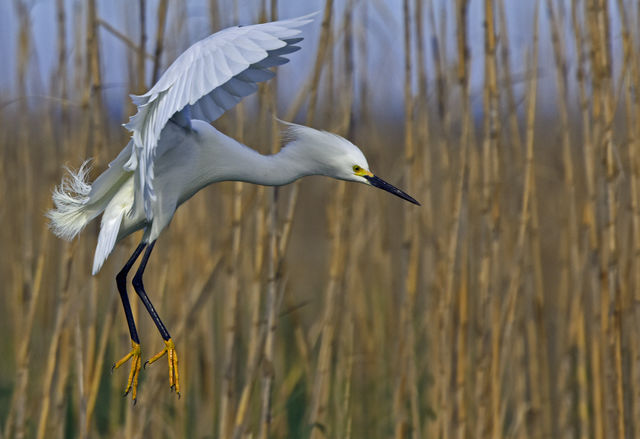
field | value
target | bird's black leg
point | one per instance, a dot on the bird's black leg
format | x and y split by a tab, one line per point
139	287
169	349
135	354
121	281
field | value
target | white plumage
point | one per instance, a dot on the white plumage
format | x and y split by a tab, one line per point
70	198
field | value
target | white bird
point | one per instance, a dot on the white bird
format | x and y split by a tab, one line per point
171	156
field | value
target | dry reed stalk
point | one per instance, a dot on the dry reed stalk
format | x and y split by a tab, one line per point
401	426
345	371
321	383
226	414
362	116
214	15
59	401
160	27
424	218
310	90
323	46
93	90
423	131
561	70
273	259
518	429
508	338
488	385
345	407
52	357
79	68
255	288
460	420
61	73
591	222
412	221
267	355
18	401
244	401
88	330
355	295
582	376
82	395
461	405
611	288
508	80
438	49
125	39
447	331
16	414
632	79
529	181
603	404
589	154
142	44
632	107
257	333
24	137
95	372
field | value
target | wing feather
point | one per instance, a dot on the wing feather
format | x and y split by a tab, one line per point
240	88
211	76
223	98
254	74
271	61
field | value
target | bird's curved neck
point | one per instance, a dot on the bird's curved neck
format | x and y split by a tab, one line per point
225	159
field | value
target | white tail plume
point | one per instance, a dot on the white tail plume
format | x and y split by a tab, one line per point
72	208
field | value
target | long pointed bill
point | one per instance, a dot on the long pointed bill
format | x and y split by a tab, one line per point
380	183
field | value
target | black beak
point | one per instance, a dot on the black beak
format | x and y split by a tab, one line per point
380	183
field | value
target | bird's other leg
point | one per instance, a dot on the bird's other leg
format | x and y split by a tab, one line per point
135	354
169	349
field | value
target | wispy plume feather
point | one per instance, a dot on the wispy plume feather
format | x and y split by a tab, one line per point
70	199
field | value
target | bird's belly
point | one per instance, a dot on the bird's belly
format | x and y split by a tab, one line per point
131	223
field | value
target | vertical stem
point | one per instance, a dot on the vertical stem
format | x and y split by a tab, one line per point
52	357
272	265
403	347
231	312
160	25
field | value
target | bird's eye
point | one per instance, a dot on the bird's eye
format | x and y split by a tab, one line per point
356	168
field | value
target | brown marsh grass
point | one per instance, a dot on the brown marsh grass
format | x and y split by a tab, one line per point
507	306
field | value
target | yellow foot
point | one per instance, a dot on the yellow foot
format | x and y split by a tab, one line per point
172	356
135	356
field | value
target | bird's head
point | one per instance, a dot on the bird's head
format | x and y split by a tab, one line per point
334	156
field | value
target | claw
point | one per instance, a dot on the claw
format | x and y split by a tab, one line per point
172	357
132	383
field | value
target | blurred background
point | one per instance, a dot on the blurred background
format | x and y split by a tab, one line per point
508	305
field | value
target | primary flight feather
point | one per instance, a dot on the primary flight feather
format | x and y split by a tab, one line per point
174	152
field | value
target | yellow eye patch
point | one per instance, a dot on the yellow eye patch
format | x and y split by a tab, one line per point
361	171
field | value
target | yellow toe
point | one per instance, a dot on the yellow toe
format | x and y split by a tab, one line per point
172	358
135	355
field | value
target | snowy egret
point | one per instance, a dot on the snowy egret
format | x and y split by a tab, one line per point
171	156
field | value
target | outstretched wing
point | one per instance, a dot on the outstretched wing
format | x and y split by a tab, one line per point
209	78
